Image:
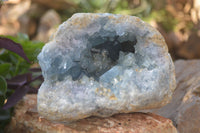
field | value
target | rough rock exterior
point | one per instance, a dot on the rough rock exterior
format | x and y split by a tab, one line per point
103	64
27	120
184	109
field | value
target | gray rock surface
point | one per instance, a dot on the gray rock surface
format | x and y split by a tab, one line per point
184	109
103	64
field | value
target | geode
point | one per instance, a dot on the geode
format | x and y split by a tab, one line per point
103	64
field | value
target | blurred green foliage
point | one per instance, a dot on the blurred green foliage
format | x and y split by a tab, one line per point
116	6
139	8
162	17
12	65
145	9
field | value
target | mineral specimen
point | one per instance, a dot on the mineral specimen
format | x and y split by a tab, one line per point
103	64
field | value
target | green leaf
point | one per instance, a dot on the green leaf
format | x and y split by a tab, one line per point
2	99
31	48
3	86
4	68
5	116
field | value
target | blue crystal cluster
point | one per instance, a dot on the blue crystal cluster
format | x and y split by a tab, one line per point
103	64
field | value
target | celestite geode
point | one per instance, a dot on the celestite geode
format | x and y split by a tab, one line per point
103	64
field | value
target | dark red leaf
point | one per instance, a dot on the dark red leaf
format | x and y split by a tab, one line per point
13	46
36	78
35	69
16	96
19	80
33	90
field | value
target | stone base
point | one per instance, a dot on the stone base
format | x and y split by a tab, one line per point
27	120
184	109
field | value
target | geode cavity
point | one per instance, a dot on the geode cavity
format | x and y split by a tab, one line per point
103	64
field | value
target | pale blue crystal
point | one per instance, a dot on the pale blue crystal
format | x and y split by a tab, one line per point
103	64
